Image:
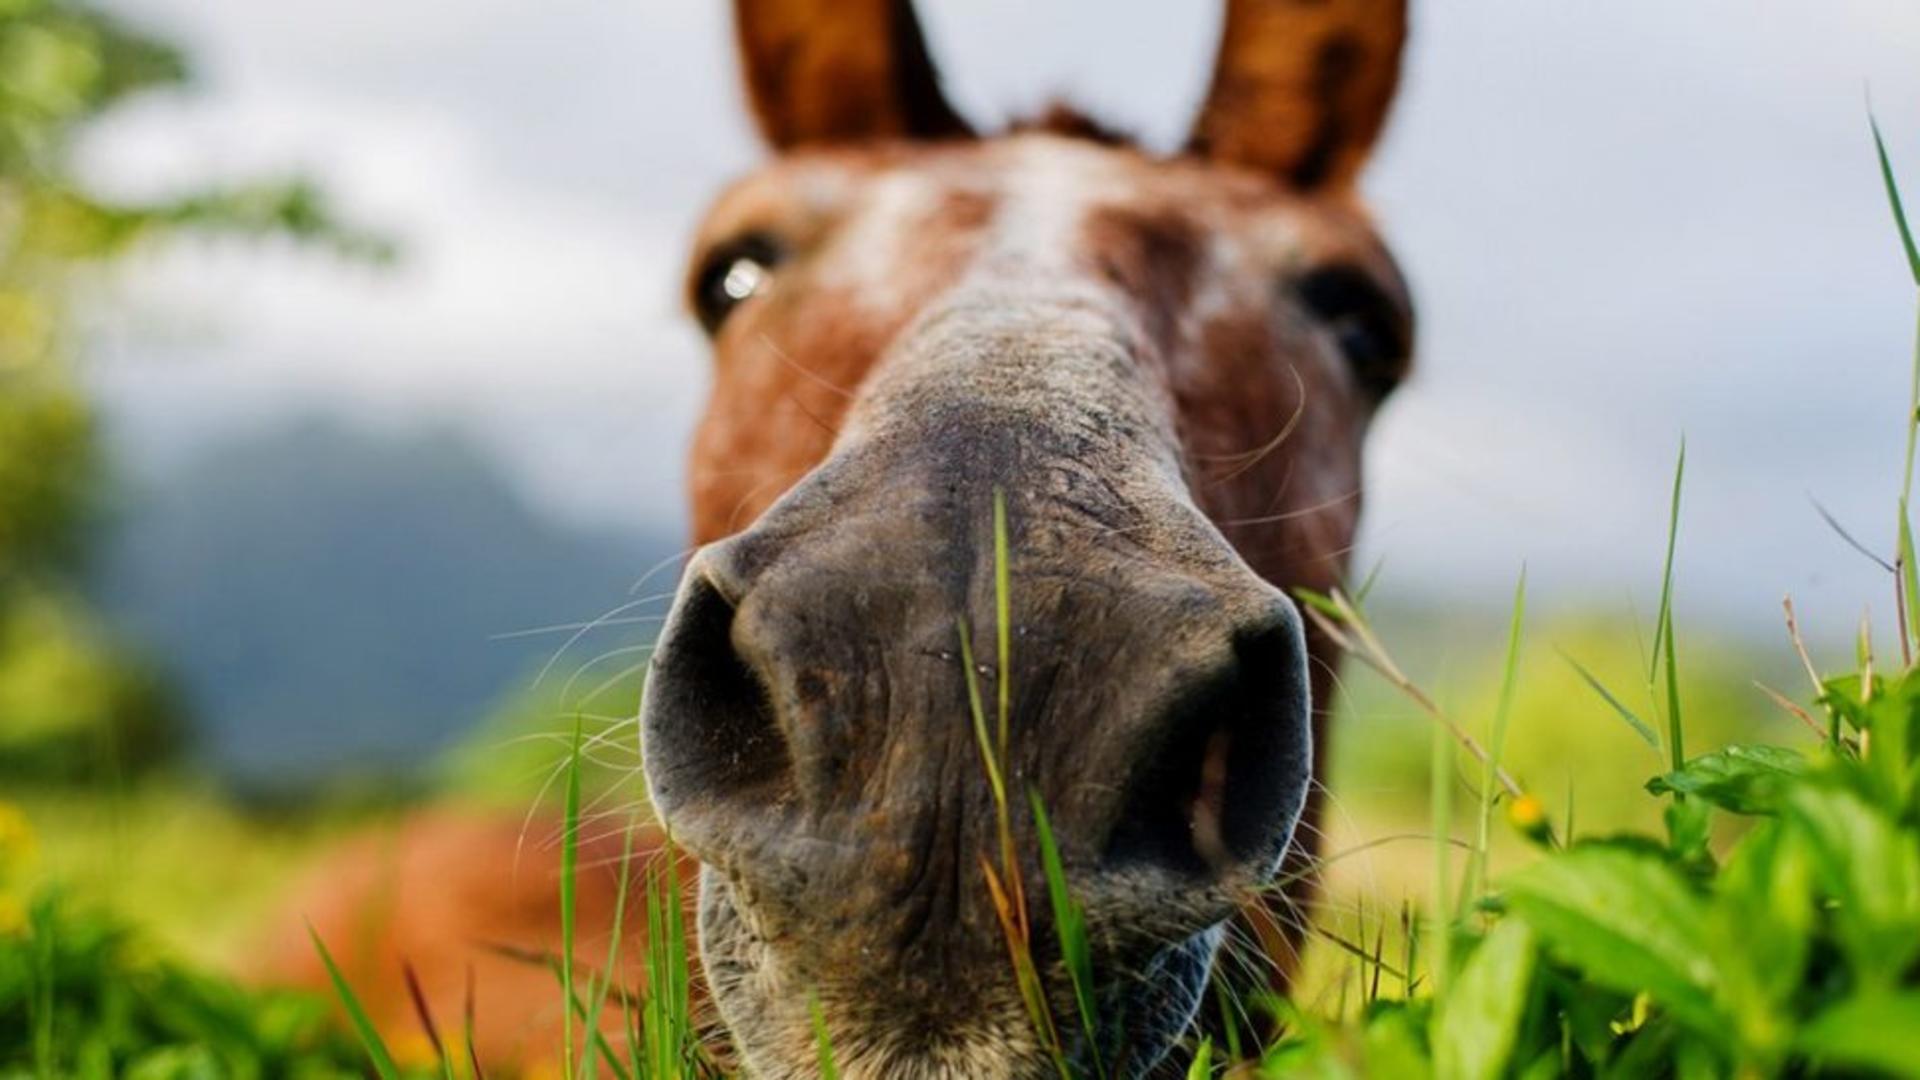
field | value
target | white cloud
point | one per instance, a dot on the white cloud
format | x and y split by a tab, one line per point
1624	221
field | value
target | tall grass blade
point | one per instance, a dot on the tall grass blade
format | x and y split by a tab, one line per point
980	734
1367	583
569	864
1893	200
1663	647
1002	617
1660	621
823	1043
370	1039
670	1041
1640	727
1202	1066
1442	855
1070	925
466	1028
1909	590
599	988
1908	586
1026	976
424	1012
1502	711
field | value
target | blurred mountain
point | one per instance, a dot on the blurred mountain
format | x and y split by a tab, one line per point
330	598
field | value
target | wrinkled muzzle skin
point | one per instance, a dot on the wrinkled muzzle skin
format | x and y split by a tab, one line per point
810	736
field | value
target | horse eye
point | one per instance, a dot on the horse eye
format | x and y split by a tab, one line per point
1371	327
733	273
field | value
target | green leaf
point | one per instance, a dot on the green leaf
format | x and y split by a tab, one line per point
1477	1023
1763	903
1395	1044
1628	922
1743	779
1689	828
1867	1032
1870	868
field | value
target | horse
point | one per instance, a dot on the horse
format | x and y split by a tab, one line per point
1018	445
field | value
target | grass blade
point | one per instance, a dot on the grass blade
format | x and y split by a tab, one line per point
1202	1066
1442	856
569	863
980	735
1663	647
1640	727
829	1070
1893	199
1502	710
1909	590
597	994
1070	925
424	1012
1002	615
466	1028
376	1047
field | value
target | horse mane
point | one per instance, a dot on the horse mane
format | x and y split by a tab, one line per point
1070	121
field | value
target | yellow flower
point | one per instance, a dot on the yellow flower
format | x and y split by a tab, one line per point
1530	818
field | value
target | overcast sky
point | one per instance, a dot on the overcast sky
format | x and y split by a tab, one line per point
1623	221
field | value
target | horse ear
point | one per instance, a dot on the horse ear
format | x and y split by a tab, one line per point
1302	87
826	71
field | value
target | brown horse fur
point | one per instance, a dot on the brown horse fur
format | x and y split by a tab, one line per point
470	901
1252	320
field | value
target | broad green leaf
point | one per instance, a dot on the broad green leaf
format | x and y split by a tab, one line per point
1689	827
1879	1032
1871	869
1763	907
1394	1046
1743	779
1628	922
1477	1023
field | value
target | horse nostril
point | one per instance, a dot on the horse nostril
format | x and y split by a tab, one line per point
1227	762
710	733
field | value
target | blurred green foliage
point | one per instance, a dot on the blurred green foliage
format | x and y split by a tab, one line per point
82	996
68	692
1565	739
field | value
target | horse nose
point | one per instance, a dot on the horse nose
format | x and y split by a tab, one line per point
1219	769
709	733
1163	717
